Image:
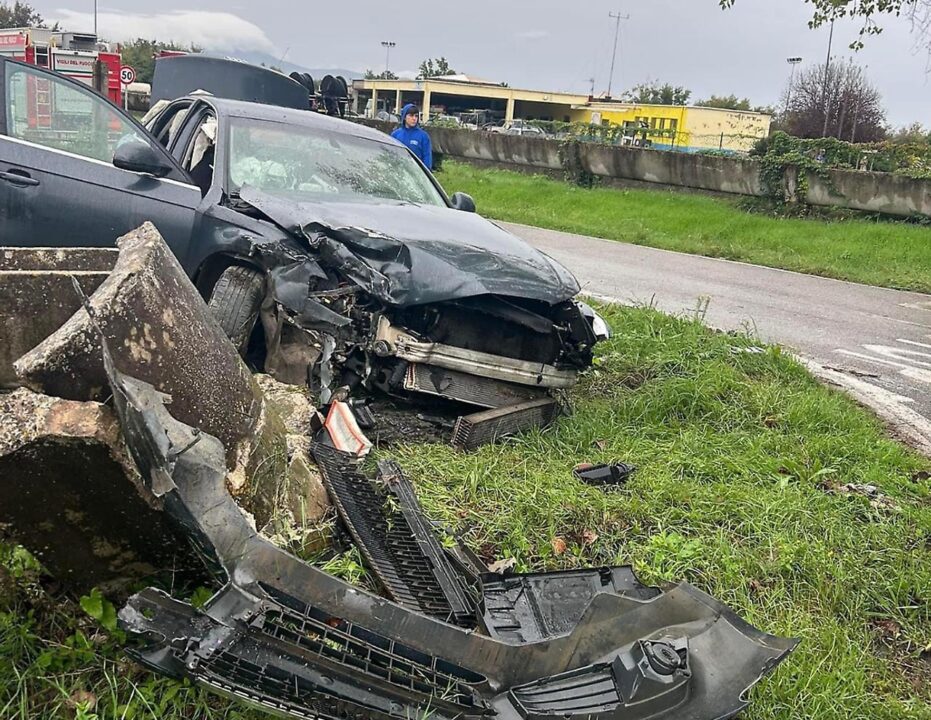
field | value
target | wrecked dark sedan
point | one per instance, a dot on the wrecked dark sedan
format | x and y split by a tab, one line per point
329	254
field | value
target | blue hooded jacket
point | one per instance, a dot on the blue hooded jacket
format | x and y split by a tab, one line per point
415	138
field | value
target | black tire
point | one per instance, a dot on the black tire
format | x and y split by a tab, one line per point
329	86
235	303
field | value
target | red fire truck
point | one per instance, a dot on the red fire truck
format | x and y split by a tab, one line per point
69	53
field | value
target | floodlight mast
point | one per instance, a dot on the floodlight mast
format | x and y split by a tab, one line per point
617	31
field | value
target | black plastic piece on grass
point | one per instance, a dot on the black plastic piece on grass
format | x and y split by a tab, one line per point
604	475
397	543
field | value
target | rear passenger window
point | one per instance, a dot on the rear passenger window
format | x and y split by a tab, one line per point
48	111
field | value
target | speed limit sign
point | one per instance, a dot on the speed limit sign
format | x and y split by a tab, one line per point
127	75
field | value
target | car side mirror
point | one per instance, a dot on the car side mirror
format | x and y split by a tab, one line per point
140	157
463	202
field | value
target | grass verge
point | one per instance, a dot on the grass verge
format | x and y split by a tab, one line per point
884	253
744	460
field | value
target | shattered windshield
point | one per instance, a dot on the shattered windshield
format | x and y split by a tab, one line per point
275	156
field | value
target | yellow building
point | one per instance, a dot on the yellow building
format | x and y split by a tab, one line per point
676	127
680	127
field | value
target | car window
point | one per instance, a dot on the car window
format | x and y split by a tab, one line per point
164	122
54	113
309	161
200	154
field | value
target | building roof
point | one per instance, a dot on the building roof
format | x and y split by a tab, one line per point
452	84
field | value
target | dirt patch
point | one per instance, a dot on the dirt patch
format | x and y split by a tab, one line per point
398	422
911	661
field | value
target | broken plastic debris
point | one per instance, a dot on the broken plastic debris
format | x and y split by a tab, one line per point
344	431
500	567
604	475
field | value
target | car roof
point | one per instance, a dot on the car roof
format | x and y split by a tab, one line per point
302	118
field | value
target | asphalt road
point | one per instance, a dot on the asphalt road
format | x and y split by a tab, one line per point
876	343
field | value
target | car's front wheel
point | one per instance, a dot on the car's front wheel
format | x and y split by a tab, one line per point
236	300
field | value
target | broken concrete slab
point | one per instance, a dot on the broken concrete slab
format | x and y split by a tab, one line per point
71	494
158	329
37	295
305	496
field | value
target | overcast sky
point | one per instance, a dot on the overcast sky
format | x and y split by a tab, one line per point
538	44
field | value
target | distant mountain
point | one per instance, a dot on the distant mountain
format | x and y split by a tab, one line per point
258	57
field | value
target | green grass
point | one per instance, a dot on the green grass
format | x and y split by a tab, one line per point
888	254
742	456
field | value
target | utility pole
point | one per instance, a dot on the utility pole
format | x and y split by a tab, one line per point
96	38
824	91
592	81
856	112
387	44
617	31
794	62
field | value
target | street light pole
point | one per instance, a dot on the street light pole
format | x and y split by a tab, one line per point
793	61
95	21
617	31
387	44
824	93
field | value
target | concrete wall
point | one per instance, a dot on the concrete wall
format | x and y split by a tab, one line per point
872	192
886	193
704	172
37	295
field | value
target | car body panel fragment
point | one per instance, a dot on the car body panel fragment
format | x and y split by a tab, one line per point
534	607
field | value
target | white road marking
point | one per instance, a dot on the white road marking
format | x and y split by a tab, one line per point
907	361
915	343
890	406
924	305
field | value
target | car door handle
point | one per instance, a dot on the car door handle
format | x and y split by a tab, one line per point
18	177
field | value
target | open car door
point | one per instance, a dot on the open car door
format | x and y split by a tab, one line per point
58	182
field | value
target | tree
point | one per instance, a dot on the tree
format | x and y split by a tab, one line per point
732	102
434	68
918	11
839	97
19	14
914	134
652	93
141	53
386	75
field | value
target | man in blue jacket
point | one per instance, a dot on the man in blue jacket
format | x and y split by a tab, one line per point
415	137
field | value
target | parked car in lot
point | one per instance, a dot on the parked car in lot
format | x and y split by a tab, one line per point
302	231
519	127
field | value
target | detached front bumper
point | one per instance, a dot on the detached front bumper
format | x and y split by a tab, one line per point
281	634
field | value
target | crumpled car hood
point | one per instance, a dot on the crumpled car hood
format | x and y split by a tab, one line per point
418	254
